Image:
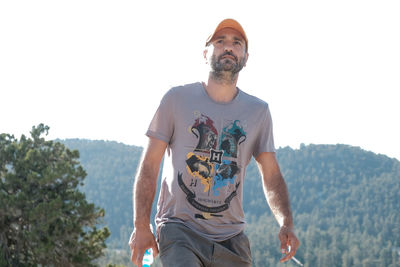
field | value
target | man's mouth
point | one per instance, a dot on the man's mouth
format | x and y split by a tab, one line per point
228	56
231	57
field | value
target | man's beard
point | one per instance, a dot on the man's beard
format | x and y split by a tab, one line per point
221	67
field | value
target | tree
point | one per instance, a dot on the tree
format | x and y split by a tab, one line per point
44	218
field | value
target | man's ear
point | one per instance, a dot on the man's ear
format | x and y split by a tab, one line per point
205	52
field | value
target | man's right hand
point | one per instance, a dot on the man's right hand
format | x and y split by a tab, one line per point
141	240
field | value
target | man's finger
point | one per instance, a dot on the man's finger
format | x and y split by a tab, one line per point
288	256
292	249
284	243
293	243
133	257
136	258
139	259
155	249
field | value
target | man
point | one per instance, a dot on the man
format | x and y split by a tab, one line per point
210	130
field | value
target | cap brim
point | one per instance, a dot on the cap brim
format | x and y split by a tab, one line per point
228	23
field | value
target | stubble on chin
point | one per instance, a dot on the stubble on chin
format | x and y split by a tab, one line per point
225	70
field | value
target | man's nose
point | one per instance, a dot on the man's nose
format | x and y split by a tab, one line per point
228	47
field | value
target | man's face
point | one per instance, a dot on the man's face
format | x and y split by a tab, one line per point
227	52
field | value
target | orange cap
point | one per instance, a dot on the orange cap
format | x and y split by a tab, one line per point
229	23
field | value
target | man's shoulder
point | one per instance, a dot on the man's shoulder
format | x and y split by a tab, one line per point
185	88
254	100
184	92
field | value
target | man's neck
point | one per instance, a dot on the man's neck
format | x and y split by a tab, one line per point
221	90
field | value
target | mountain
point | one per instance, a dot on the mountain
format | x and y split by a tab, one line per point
345	202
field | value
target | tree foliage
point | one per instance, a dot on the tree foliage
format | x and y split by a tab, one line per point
111	168
44	219
345	203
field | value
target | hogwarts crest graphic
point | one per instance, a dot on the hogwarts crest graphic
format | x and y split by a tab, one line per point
210	180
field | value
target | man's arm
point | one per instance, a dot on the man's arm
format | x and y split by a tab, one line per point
143	196
277	195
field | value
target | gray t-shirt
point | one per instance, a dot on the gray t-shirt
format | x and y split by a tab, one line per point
210	146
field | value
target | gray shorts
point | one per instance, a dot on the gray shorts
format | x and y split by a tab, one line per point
180	246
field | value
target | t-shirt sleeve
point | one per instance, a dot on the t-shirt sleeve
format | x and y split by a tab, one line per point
162	124
265	138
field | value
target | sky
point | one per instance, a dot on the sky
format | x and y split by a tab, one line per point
95	69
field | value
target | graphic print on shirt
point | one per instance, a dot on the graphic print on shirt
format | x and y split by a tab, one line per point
225	173
201	168
204	130
213	163
231	137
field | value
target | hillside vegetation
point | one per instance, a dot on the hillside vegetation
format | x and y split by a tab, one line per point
345	202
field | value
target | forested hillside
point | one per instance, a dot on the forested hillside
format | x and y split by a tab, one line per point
111	168
345	202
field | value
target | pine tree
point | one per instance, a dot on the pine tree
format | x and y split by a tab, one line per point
44	218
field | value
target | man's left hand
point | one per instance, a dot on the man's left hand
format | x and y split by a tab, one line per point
289	243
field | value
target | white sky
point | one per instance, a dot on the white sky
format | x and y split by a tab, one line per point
330	70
